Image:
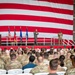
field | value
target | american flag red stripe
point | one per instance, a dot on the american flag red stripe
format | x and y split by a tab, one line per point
32	7
60	1
35	18
47	16
40	29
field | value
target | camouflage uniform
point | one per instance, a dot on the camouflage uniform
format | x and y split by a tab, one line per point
71	71
19	57
24	60
69	64
13	65
2	64
5	58
50	57
39	69
60	35
45	62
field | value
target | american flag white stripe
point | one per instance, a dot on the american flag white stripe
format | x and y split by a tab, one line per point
32	7
35	24
36	13
40	3
35	18
49	17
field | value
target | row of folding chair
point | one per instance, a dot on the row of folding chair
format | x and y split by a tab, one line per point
59	73
15	71
21	72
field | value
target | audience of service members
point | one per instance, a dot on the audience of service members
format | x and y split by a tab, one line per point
40	60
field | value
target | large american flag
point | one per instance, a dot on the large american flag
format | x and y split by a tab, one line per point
49	17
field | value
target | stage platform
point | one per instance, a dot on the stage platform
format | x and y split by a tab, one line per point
47	47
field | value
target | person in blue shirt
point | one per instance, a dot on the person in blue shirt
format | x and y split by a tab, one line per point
30	64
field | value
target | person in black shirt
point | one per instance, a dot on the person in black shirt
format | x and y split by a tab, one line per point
35	36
